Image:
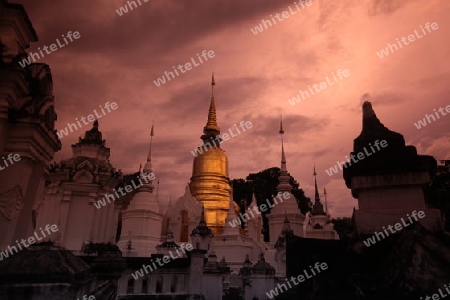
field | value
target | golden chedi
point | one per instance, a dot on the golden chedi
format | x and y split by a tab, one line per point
210	183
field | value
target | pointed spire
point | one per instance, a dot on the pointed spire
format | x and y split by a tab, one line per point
281	125
169	206
211	128
228	228
317	207
187	190
316	190
283	179
254	202
157	190
169	231
326	200
202	217
202	229
283	157
148	165
286	224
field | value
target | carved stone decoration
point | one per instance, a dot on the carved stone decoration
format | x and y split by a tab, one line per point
11	202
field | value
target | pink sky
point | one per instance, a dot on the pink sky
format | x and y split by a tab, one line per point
118	57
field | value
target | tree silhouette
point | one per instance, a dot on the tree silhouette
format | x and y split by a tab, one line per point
264	184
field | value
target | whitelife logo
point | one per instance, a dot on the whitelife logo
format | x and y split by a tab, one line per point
274	292
423	122
162	80
222	138
398	227
85	297
124	9
411	38
90	118
27	61
262	208
147	177
436	296
285	14
323	85
31	240
12	158
360	155
165	260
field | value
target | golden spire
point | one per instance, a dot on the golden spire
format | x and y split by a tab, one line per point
211	127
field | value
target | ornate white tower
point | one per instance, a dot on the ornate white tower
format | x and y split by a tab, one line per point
319	225
75	184
254	225
183	216
142	220
284	206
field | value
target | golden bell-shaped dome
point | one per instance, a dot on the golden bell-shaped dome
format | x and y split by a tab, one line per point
210	183
213	160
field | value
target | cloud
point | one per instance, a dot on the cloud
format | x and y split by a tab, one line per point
117	59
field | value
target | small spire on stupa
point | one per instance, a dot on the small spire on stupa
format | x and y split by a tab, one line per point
317	207
211	128
148	165
202	229
157	190
316	190
169	231
254	202
230	219
187	190
202	217
283	179
148	169
326	201
281	132
286	223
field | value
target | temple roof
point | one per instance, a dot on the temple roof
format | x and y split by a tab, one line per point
286	233
262	267
202	229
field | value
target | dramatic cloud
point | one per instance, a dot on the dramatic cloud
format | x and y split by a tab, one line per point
118	57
